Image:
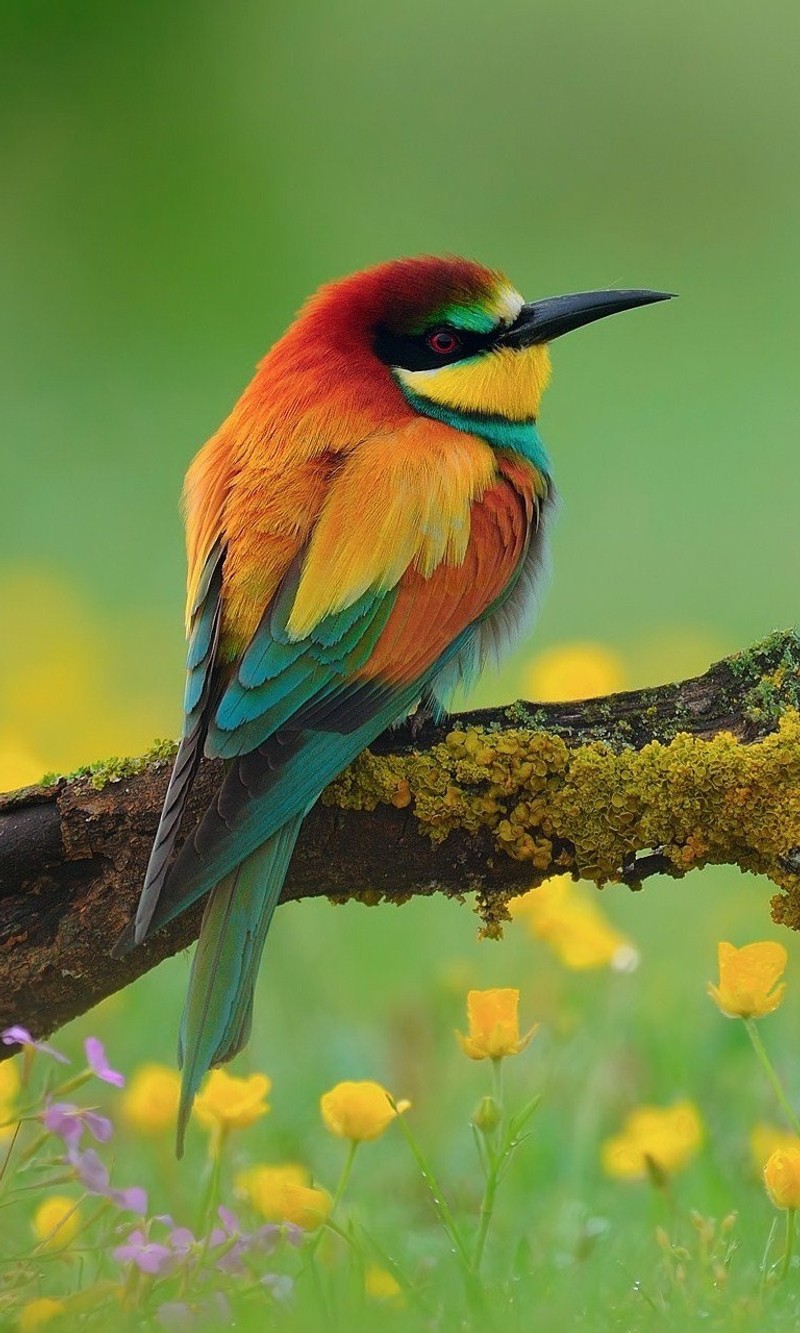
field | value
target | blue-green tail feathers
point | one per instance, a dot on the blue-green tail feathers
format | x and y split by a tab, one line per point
217	1015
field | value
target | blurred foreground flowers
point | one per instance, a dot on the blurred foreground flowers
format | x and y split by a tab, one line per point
285	1194
56	1222
766	1139
566	916
258	1238
379	1285
38	1313
782	1177
177	1271
226	1102
150	1104
654	1140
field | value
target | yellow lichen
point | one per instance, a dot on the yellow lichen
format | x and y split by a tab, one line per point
588	809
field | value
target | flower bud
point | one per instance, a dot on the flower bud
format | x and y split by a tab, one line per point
487	1115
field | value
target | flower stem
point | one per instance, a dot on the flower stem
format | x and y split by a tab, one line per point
71	1085
497	1081
772	1077
487	1208
765	1268
791	1215
211	1197
344	1178
440	1204
495	1162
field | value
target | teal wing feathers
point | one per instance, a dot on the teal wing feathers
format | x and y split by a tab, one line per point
219	1006
198	700
264	711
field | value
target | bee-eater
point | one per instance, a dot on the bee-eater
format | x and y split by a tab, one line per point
363	531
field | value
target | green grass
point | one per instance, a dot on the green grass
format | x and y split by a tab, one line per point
359	993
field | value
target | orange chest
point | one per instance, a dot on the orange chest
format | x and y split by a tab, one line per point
432	611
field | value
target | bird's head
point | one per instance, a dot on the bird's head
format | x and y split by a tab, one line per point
454	335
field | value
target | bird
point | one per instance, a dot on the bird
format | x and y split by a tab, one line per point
365	531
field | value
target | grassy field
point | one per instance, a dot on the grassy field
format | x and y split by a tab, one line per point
568	1242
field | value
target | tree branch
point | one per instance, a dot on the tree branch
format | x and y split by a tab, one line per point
647	782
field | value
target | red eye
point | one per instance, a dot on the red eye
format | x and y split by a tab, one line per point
443	341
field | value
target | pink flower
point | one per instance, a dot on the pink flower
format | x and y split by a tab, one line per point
265	1238
96	1058
94	1177
68	1122
147	1255
19	1036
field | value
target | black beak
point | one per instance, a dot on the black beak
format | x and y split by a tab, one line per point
542	321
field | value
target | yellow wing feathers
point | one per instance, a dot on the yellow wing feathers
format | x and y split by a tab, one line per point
400	500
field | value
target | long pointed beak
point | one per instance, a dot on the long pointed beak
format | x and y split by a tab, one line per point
542	321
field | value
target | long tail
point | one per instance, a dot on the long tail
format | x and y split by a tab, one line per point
218	1012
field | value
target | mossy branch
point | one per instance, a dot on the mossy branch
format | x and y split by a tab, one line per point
612	790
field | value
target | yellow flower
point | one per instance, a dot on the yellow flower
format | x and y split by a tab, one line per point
767	1139
574	927
747	977
782	1177
150	1102
379	1285
574	671
493	1025
56	1222
9	1081
359	1111
9	1087
653	1137
37	1313
285	1194
227	1102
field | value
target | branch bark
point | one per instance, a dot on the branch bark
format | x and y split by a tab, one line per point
621	788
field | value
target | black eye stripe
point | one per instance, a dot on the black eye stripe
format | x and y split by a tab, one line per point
412	351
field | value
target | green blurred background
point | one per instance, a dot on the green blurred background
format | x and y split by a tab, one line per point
177	178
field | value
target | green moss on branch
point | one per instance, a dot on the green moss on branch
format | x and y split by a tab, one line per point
589	809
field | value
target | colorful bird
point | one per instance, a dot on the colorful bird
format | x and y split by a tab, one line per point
363	531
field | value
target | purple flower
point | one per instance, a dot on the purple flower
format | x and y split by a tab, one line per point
156	1257
147	1255
228	1220
96	1057
91	1172
264	1239
133	1199
181	1240
267	1236
280	1284
93	1175
69	1122
177	1316
231	1261
19	1036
